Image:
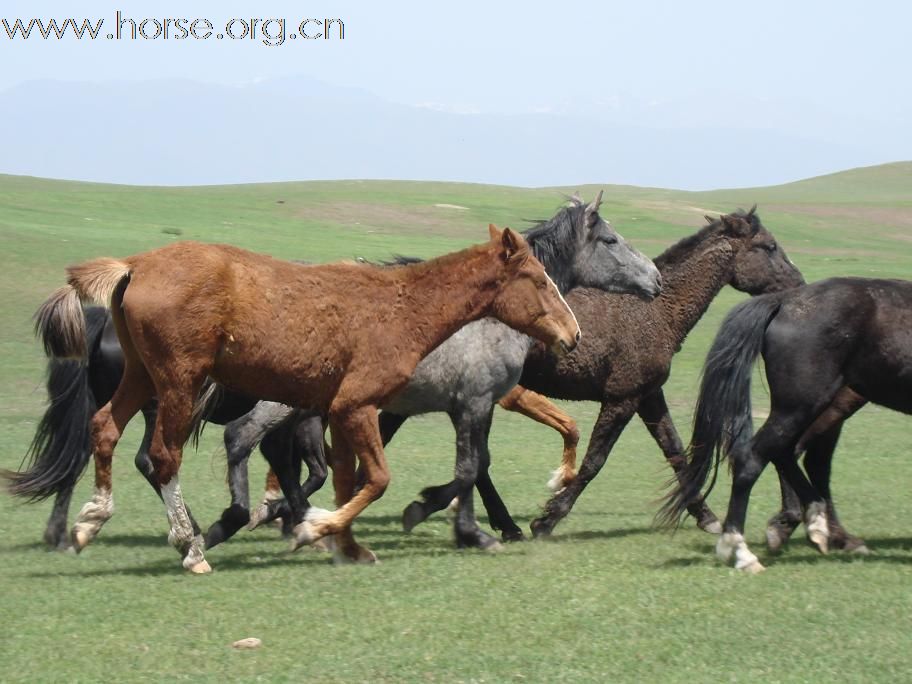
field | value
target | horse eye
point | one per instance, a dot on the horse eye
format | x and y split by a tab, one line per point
771	247
608	239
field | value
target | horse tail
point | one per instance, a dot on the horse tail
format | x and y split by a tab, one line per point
210	395
59	321
59	452
723	413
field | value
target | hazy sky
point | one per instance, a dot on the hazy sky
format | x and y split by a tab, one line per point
496	56
834	72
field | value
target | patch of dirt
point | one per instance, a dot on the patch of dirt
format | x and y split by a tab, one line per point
382	218
895	217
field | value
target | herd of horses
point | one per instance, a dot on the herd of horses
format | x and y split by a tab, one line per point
279	352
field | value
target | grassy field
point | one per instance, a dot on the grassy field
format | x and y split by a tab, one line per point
606	599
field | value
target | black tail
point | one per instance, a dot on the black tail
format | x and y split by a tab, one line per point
59	453
723	413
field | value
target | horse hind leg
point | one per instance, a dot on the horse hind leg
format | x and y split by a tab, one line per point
818	463
107	426
747	466
172	428
819	440
781	526
55	533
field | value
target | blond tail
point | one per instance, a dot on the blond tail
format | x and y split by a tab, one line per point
60	323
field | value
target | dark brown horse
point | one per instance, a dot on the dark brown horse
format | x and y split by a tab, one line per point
339	339
828	348
625	356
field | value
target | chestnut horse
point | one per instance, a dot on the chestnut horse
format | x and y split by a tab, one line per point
337	338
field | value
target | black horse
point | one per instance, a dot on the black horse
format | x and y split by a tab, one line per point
828	348
61	448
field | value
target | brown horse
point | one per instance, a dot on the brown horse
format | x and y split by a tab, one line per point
338	338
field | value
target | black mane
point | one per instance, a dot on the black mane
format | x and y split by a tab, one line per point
685	246
552	240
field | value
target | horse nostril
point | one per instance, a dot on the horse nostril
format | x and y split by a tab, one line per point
578	335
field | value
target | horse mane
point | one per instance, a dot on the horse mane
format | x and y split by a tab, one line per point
397	260
549	240
679	251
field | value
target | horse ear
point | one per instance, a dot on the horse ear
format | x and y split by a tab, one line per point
709	219
514	244
595	204
493	232
736	225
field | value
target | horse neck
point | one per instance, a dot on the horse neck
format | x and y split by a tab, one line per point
690	285
446	293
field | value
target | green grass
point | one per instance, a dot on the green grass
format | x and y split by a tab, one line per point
607	599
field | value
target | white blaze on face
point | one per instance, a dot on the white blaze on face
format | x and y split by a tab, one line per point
564	302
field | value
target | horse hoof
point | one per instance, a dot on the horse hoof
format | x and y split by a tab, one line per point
860	550
412	516
711	526
818	531
558	482
201	568
540	528
754	568
494	547
257	516
80	539
774	539
361	556
327	543
513	536
820	541
310	529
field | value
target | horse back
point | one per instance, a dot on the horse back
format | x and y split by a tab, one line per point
262	326
845	331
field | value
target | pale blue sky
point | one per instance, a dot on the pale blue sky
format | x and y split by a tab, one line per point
834	72
506	55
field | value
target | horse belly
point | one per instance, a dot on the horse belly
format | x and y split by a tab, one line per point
300	380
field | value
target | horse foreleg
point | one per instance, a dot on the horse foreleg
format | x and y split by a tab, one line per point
540	409
354	431
653	411
472	427
611	421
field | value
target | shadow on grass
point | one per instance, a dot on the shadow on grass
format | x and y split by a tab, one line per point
586	535
880	553
254	561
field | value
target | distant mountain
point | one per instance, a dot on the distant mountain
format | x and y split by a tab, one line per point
172	132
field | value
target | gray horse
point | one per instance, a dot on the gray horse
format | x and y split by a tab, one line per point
467	374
